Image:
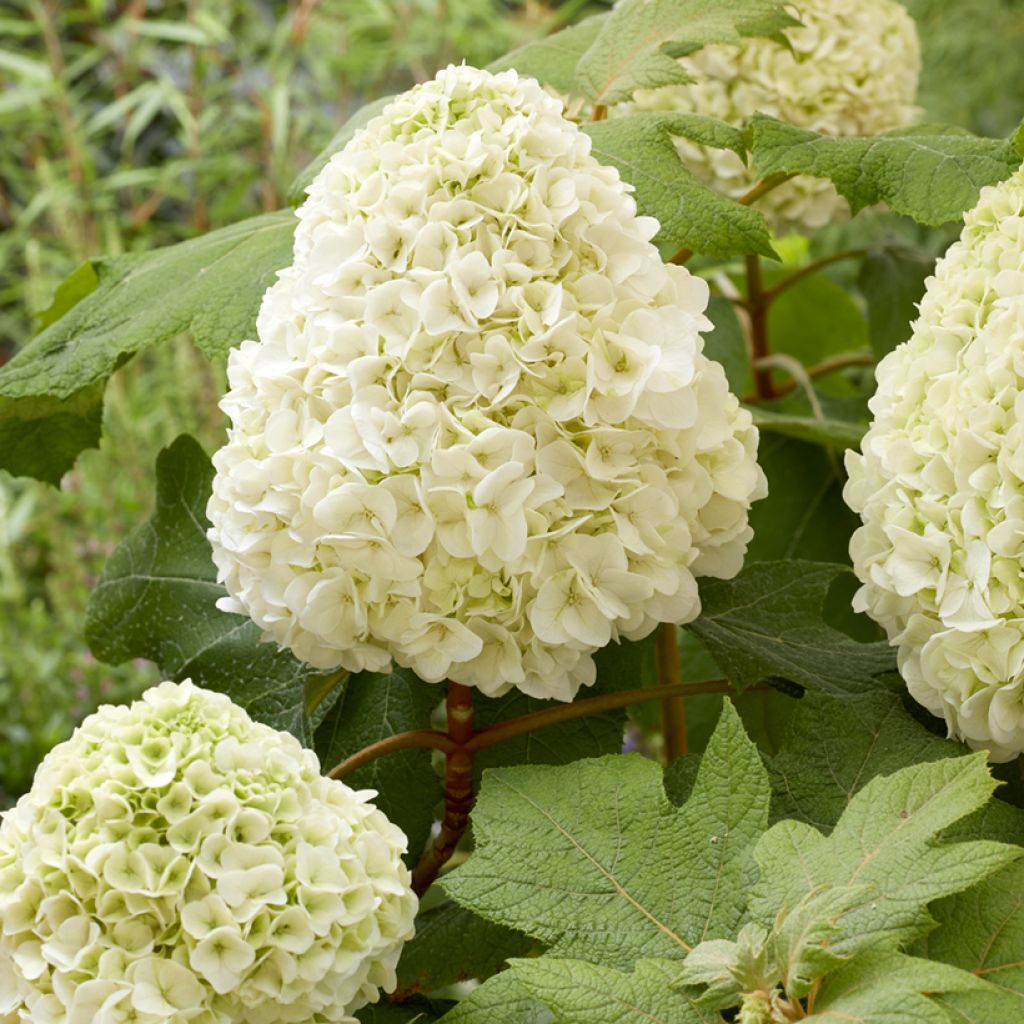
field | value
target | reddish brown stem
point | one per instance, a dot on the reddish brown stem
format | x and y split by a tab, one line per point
673	709
416	739
458	789
771	294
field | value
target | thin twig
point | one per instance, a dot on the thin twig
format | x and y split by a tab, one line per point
458	789
513	727
771	294
673	709
822	369
430	739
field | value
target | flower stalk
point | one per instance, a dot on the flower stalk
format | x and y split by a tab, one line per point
458	788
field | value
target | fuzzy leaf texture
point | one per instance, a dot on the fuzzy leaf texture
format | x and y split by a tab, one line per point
51	392
884	844
833	748
930	173
552	59
600	878
982	931
768	622
157	600
691	215
578	992
640	41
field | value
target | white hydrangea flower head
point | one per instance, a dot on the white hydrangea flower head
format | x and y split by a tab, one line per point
478	434
851	68
177	862
940	485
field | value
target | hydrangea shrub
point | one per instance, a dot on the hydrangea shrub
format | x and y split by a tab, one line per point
482	433
940	485
477	433
849	68
175	861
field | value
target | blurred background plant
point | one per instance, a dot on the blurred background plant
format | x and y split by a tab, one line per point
129	125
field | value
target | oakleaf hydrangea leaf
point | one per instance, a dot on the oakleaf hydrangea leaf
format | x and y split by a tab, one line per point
51	391
884	843
453	944
640	40
890	988
157	600
499	1000
768	622
581	993
552	59
691	214
982	931
627	876
930	173
834	747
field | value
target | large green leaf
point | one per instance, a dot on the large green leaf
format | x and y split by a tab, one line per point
768	622
595	861
371	707
804	515
499	1000
982	931
639	42
884	843
453	944
51	392
841	434
891	988
552	59
691	215
582	993
835	747
930	173
157	600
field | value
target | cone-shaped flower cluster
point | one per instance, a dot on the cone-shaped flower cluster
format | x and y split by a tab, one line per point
176	862
850	68
477	434
940	485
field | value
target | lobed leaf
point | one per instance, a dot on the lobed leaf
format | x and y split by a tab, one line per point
51	391
453	944
982	931
691	215
930	173
499	1000
578	992
884	842
552	59
834	747
640	40
768	622
602	878
157	600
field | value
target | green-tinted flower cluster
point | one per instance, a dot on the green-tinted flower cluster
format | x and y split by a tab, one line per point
175	861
